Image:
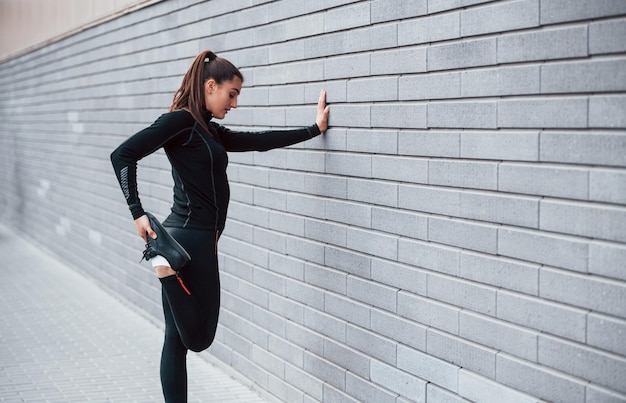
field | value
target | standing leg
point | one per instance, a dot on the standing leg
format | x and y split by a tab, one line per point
173	361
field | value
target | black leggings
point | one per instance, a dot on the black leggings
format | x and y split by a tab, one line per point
191	309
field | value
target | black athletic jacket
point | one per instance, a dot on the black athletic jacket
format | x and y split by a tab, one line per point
199	160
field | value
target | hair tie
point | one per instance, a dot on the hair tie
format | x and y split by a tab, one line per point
210	57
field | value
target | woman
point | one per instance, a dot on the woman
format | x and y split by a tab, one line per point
196	147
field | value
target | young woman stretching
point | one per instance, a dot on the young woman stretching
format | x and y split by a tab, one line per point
185	255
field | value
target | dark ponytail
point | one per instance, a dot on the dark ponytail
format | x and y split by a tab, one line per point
190	95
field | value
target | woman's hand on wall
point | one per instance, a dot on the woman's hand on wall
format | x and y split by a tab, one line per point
322	112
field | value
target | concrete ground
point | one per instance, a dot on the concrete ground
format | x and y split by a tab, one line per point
65	339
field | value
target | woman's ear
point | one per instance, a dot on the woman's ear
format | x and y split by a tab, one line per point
210	85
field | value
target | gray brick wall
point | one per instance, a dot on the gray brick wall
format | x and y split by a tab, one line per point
459	234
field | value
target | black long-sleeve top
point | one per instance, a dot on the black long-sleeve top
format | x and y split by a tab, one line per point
199	161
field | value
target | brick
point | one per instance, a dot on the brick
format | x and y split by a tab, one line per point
306	205
398	329
304	293
466	174
306	25
348	213
325	185
428	368
254	97
373	243
469	115
401	223
335	91
544	180
347	358
304	381
500	272
462	293
268	361
606	333
372	141
326	232
462	353
346	164
543	113
429	143
399	276
536	247
607	112
542	315
428	312
325	45
501	81
406	116
477	388
372	294
538	381
347	310
270	240
324	370
591	220
472	53
335	19
286	223
267	198
430	86
325	324
429	256
398	381
441	395
284	390
495	208
284	52
429	29
346	67
373	192
515	340
607	260
363	390
388	10
304	249
347	261
584	291
351	116
373	89
305	338
372	37
400	169
547	44
603	36
553	11
333	395
500	17
435	6
286	308
584	362
372	345
286	95
398	61
586	76
599	394
583	148
326	278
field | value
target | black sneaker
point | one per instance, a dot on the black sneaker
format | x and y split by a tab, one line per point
165	245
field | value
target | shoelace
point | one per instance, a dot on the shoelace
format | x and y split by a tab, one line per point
148	253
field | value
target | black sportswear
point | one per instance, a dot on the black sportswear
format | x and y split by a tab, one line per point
199	161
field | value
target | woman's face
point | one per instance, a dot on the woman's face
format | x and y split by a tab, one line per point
219	98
